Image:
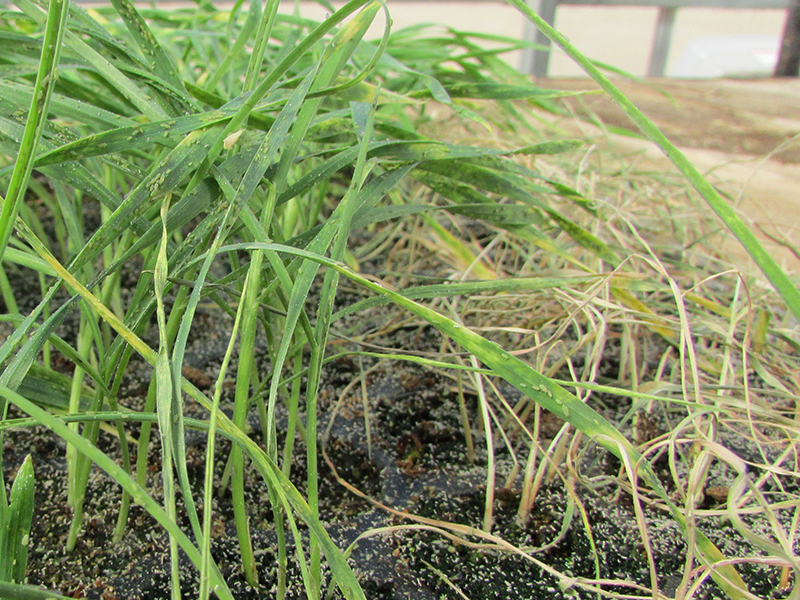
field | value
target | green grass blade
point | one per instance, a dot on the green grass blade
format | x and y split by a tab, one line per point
14	373
37	117
15	591
16	525
52	389
16	96
125	139
250	24
346	210
205	588
289	497
160	63
119	475
103	66
549	395
71	173
257	55
496	91
161	180
269	82
27	260
336	54
169	408
250	299
269	470
260	162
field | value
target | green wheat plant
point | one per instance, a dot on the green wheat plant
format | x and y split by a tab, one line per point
158	166
16	514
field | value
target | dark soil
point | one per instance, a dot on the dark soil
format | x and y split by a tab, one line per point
418	463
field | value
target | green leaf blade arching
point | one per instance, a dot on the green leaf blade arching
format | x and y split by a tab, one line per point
15	591
549	395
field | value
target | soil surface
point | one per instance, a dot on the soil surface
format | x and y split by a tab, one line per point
413	462
743	134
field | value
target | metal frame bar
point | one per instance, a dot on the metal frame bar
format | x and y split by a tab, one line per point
535	60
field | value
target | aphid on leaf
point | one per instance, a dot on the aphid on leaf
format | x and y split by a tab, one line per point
232	139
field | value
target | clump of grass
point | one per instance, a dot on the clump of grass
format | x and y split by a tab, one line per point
232	157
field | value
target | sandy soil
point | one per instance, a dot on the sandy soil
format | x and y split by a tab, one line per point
744	134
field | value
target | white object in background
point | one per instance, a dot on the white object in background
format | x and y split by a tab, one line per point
728	56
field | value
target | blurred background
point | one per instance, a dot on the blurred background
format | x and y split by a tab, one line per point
706	42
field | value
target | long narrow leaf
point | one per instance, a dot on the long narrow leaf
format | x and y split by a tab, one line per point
37	116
